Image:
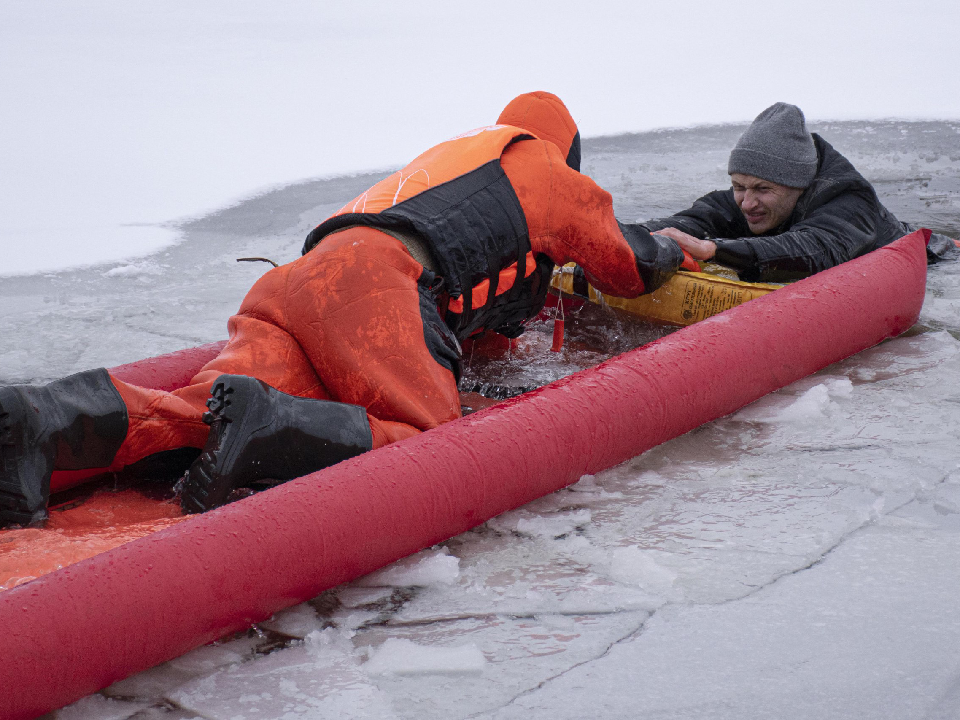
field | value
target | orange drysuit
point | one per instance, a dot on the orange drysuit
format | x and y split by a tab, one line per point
462	240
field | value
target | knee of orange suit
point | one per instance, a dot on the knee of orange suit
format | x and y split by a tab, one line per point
259	348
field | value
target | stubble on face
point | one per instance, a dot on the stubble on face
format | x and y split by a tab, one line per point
765	205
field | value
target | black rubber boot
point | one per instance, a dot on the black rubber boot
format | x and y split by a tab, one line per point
75	423
260	434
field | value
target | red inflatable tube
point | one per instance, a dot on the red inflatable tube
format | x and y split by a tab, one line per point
79	629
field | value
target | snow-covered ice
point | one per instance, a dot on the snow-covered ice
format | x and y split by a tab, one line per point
120	119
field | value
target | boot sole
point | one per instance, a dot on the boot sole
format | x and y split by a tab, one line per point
205	486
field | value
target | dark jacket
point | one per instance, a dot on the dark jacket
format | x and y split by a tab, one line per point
836	219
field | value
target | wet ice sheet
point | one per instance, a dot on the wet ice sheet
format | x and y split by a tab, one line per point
869	632
798	557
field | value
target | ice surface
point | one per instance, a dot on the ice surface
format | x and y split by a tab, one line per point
798	558
403	657
871	631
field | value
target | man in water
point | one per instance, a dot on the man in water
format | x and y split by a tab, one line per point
796	207
356	344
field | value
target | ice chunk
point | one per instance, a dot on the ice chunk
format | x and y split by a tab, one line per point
812	405
634	566
134	270
839	387
297	621
403	657
353	620
330	639
423	569
586	483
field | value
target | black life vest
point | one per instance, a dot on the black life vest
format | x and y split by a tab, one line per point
458	199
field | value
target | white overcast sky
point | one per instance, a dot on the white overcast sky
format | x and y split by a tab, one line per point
117	116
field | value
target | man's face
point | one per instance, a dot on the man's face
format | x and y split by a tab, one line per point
764	204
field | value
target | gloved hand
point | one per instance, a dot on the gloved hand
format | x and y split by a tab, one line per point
581	287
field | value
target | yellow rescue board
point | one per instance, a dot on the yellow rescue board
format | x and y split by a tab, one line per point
684	299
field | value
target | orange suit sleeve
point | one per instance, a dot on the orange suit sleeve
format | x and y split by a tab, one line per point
570	218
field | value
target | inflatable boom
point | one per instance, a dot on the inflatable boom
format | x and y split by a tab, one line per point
79	629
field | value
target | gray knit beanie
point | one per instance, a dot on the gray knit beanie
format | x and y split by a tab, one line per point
777	147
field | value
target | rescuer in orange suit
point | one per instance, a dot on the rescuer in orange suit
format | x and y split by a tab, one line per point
356	344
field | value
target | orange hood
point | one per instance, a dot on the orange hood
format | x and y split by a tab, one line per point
545	115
